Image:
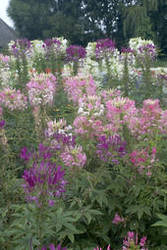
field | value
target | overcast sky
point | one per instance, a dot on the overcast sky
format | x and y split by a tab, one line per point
3	13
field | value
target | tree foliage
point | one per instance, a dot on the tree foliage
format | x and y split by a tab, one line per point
159	23
40	19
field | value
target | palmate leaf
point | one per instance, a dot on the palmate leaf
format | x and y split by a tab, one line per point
100	197
139	210
162	222
90	214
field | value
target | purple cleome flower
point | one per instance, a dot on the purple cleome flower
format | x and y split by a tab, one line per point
25	155
127	50
149	50
2	124
163	77
64	139
131	240
75	53
104	46
44	180
111	148
49	42
52	247
20	47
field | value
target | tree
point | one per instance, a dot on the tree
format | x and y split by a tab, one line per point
137	21
147	18
78	21
159	24
105	18
29	17
39	19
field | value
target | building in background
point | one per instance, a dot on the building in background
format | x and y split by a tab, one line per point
6	34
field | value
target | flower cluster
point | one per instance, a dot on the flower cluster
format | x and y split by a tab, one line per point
20	47
119	111
50	42
13	99
117	219
111	149
127	50
37	47
136	43
103	59
59	135
5	72
4	59
50	49
91	106
44	180
87	127
61	141
104	47
41	89
75	53
128	56
143	161
148	50
53	47
56	45
2	124
147	119
79	86
73	156
132	242
90	49
144	50
57	127
110	94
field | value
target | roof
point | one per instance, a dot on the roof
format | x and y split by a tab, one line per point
6	34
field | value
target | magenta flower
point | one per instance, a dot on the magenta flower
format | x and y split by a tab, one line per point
41	89
127	50
2	124
52	247
50	42
104	47
143	160
13	99
20	47
143	241
73	156
117	219
162	76
79	86
44	180
75	53
111	148
132	241
24	154
148	50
